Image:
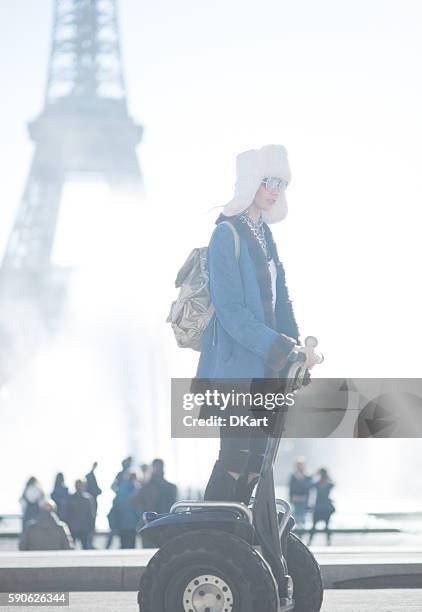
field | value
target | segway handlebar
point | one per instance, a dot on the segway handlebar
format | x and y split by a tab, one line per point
241	508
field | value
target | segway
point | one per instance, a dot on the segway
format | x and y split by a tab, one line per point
228	557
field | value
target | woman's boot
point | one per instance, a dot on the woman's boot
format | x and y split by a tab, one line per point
221	485
244	489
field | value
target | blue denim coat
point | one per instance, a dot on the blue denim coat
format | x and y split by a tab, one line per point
238	342
125	515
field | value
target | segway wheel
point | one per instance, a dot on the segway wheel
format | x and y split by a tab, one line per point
207	571
308	591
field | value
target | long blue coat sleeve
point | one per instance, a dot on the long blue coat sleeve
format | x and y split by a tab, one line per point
228	298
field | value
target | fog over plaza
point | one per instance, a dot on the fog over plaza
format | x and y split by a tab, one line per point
339	84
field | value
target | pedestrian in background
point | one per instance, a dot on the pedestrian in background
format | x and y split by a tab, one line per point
157	494
80	515
92	485
112	523
126	464
166	491
93	489
31	498
60	495
112	515
300	485
125	517
324	507
46	532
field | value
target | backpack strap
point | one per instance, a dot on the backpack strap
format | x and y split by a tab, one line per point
235	237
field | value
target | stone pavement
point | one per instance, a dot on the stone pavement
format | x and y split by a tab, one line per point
120	570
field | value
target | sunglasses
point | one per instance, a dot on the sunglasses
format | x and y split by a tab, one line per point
272	183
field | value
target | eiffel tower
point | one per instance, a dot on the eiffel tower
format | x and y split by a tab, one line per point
84	127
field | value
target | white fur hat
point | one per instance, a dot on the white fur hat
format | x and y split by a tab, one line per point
251	167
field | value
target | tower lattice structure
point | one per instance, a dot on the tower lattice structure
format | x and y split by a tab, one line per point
84	127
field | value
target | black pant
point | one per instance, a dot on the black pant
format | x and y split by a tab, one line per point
84	538
242	450
243	456
318	516
127	538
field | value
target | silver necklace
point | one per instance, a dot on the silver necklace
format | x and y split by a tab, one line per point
257	229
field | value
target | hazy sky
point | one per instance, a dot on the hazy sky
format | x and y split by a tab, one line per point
337	82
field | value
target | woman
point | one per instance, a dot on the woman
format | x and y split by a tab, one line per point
253	329
324	507
31	499
60	495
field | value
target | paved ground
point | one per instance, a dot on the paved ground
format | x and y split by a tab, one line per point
393	600
117	570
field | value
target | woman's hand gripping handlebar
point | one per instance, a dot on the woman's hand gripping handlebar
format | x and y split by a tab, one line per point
307	357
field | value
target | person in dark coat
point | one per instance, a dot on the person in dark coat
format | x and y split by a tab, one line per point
300	485
46	532
92	485
166	491
80	514
253	329
324	507
60	495
155	495
112	523
93	489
